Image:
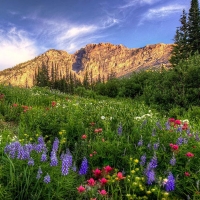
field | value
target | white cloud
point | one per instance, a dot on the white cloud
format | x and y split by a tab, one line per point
136	3
162	12
70	36
109	22
16	47
76	32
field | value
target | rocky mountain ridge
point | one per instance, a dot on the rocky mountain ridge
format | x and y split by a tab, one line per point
99	61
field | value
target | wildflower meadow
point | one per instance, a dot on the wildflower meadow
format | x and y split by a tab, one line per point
56	146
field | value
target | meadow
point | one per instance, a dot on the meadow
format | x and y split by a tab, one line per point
56	146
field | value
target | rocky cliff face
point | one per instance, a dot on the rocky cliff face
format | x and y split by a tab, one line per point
98	61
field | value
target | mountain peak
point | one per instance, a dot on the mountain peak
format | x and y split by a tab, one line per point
99	60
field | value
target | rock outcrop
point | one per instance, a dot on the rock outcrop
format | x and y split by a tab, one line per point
98	61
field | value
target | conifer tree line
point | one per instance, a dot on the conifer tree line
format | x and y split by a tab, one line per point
187	37
68	83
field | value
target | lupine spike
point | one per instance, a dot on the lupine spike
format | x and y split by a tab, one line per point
84	167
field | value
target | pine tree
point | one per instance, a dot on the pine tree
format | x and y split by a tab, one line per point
194	27
187	38
181	46
86	80
42	78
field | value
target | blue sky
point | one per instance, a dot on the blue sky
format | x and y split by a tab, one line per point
29	28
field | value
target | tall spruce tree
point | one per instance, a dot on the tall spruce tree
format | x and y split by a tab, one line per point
43	78
181	46
187	38
194	27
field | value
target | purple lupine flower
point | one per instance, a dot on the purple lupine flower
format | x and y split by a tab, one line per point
140	143
159	125
143	160
29	147
150	176
119	130
84	167
31	162
69	155
167	125
55	145
39	172
12	149
179	129
53	158
149	146
41	140
21	153
66	164
188	131
170	184
44	156
47	179
156	145
153	163
173	161
62	156
153	132
41	145
39	148
180	141
26	154
197	137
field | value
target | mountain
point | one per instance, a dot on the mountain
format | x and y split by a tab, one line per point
97	61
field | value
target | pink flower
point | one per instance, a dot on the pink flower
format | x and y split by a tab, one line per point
15	105
178	122
103	181
187	174
108	169
81	189
185	126
91	155
120	176
97	172
174	146
84	136
189	154
171	120
102	192
171	145
91	182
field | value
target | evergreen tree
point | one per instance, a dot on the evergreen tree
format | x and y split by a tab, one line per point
187	38
181	47
86	80
194	27
42	78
